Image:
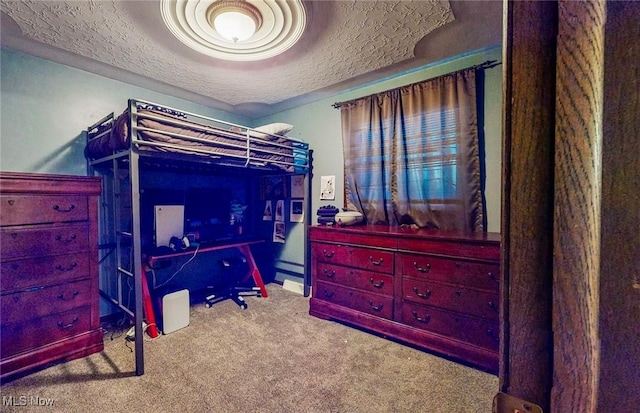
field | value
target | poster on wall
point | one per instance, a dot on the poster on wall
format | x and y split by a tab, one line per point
327	187
272	187
280	210
296	211
279	233
267	215
297	186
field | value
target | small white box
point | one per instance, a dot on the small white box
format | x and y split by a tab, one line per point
175	311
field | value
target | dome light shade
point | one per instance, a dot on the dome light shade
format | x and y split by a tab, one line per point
235	26
259	29
235	20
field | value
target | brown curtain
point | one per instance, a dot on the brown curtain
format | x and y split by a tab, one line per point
412	155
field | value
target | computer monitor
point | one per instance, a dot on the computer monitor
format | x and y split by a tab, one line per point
206	213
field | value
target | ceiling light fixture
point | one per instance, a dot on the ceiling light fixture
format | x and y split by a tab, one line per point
273	26
235	20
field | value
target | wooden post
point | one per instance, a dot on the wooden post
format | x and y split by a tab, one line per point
578	148
527	220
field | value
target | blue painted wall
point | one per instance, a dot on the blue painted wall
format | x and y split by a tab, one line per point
45	106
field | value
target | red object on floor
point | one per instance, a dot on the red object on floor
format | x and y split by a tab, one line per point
152	328
253	269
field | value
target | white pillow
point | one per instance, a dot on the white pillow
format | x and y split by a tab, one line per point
277	128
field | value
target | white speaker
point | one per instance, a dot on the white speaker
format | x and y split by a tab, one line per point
175	311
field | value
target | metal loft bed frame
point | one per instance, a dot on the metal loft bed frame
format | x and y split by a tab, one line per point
120	204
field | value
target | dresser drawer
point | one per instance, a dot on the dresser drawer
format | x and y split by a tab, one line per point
468	273
332	253
374	260
481	333
469	245
37	332
473	302
41	301
20	274
365	258
49	240
374	304
352	277
25	209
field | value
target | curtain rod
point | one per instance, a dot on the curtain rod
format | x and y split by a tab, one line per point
482	66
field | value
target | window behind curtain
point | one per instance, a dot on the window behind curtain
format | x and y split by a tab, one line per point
412	157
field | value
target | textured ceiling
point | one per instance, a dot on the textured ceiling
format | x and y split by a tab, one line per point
346	43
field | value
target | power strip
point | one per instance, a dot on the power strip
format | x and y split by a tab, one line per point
131	333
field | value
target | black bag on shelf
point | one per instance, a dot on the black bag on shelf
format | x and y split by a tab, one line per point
327	211
326	215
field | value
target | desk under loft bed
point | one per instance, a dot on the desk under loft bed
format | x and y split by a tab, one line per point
149	138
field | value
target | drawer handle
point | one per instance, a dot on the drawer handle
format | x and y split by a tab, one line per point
60	209
66	240
491	334
73	265
493	306
327	293
458	293
11	202
378	307
376	263
63	326
426	268
379	284
328	254
61	296
329	274
493	277
426	294
424	319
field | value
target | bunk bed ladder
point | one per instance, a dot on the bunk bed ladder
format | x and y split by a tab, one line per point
136	248
125	213
121	224
309	213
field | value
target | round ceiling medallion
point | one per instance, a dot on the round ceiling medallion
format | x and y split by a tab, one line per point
278	25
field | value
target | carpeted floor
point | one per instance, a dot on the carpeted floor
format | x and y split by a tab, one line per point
272	357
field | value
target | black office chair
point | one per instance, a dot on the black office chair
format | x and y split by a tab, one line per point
233	271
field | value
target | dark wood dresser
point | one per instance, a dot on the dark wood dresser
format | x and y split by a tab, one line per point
436	290
49	301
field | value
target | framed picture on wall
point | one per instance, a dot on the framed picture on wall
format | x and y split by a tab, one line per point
279	232
327	187
297	186
296	213
273	187
279	210
267	215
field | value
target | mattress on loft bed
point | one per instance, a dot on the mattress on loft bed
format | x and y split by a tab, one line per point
191	138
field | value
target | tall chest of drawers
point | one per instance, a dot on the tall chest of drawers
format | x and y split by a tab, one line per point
49	299
436	290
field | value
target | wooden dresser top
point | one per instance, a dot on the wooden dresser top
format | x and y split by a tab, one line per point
34	183
407	232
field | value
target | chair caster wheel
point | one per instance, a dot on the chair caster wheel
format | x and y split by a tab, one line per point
244	306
